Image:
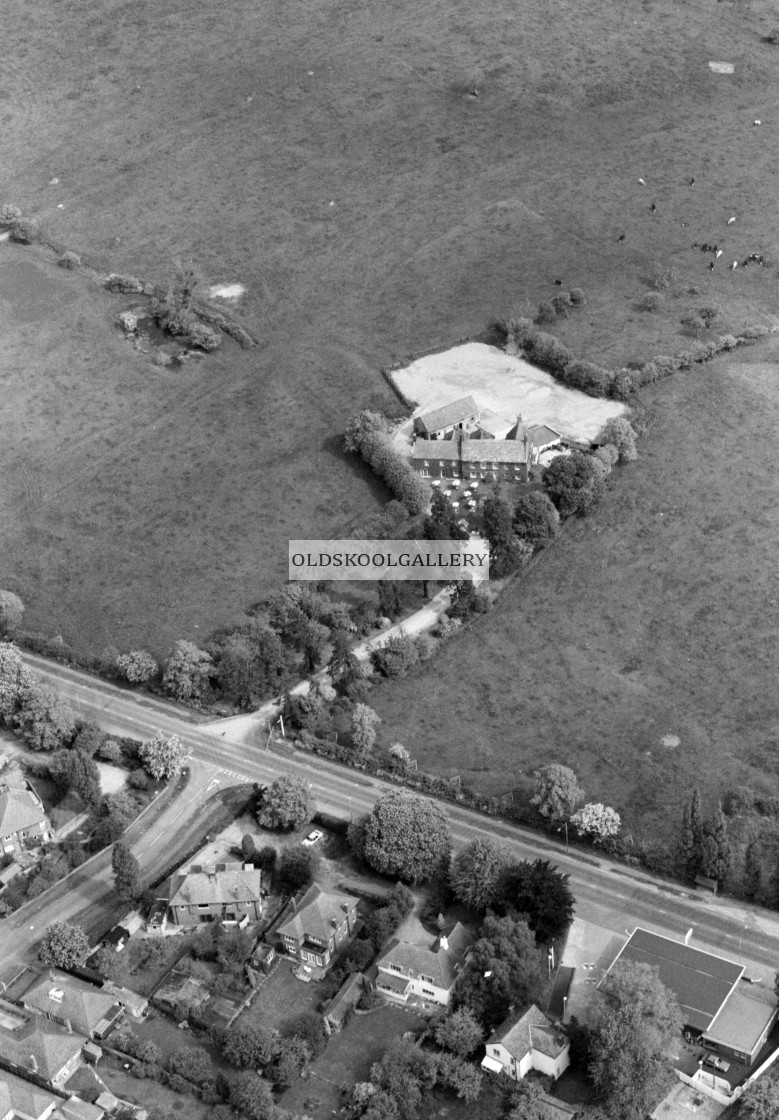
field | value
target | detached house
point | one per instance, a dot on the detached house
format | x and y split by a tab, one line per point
317	926
23	821
222	892
76	1004
531	1041
409	973
32	1044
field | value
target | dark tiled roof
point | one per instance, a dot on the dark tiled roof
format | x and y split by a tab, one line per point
81	1003
531	1031
700	981
447	415
22	1097
225	884
318	914
540	435
470	450
52	1047
441	962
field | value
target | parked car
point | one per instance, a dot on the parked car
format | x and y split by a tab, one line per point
715	1062
312	838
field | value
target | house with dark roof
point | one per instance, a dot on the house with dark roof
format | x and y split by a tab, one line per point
76	1004
460	415
318	925
23	1100
530	1041
717	1009
409	973
32	1044
483	460
222	892
23	820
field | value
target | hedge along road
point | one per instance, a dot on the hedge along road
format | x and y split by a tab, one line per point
608	894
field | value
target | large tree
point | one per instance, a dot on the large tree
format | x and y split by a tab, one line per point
64	945
539	893
477	870
761	1100
619	432
75	770
406	837
716	848
637	1024
597	822
186	671
535	519
364	721
506	550
15	681
504	969
557	792
250	1047
44	718
286	804
127	873
442	523
573	483
162	756
251	1096
460	1032
138	666
11	612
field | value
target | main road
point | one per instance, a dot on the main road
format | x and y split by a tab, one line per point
609	896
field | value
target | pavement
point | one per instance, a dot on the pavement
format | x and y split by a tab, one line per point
610	896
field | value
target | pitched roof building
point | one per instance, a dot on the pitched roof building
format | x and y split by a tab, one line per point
32	1043
225	892
426	974
316	926
23	820
20	1098
528	1041
461	414
75	1003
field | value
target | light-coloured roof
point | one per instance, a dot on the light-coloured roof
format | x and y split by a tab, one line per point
441	961
742	1019
221	884
493	424
448	414
126	996
471	450
82	1003
19	809
20	1096
317	914
531	1031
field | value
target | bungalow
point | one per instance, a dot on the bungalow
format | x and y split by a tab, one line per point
531	1041
131	1001
223	892
460	415
23	820
315	927
21	1100
416	973
35	1046
74	1003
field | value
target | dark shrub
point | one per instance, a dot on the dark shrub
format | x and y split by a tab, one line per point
546	312
129	284
25	230
577	297
69	260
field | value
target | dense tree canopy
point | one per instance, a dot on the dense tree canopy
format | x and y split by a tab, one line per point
557	792
286	804
138	666
11	613
639	1021
476	872
75	770
64	945
573	483
15	681
162	756
503	969
250	1047
406	837
127	873
539	893
460	1032
364	721
186	671
506	550
619	432
761	1100
597	822
535	519
44	718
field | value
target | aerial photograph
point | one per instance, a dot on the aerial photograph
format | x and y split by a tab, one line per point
291	290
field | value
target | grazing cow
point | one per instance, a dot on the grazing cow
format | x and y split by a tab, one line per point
718	254
653	208
730	221
692	182
641	181
621	237
734	265
559	283
711	264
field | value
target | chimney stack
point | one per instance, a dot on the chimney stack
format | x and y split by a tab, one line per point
443	942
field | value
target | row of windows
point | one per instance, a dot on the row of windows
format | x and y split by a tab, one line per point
480	466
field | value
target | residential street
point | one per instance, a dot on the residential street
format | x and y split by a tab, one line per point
609	895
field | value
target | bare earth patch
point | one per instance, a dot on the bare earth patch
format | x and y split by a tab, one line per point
506	384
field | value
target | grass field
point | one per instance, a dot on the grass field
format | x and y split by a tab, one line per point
328	156
655	616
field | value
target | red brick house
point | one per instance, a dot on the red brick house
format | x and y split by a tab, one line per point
222	892
315	927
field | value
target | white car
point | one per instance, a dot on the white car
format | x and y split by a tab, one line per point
312	838
713	1062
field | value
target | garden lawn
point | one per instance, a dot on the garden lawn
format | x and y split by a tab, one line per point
281	998
150	1094
332	158
654	616
348	1059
